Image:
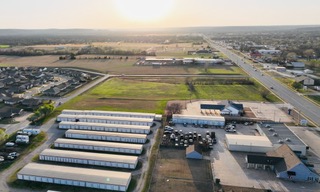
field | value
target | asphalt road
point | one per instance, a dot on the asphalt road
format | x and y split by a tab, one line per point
304	106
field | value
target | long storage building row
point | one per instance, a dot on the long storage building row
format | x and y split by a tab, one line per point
81	177
113	147
109	113
105	119
89	158
105	127
106	136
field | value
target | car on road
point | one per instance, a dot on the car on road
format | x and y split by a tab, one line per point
271	87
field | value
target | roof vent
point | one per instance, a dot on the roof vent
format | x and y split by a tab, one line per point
275	134
288	139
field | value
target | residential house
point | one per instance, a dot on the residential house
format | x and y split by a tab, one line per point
53	91
31	103
305	80
13	101
9	112
295	65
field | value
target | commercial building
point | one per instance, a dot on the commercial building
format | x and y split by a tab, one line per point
89	158
248	143
279	134
285	163
80	177
109	113
200	120
105	119
106	136
99	146
105	127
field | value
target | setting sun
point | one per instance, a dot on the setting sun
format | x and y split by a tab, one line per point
143	10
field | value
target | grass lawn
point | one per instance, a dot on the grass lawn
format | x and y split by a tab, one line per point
151	95
3	136
4	46
315	98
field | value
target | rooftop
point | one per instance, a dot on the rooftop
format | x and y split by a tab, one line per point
106	118
105	112
75	173
90	156
178	116
105	125
283	132
103	133
99	143
248	140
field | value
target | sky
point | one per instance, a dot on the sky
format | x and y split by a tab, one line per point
132	14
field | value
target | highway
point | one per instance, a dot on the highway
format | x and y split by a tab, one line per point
301	104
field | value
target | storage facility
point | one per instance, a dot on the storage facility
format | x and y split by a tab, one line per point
106	136
81	177
105	127
200	120
248	143
99	146
109	113
89	158
105	119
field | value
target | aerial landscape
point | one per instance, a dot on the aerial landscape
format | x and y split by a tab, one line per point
159	96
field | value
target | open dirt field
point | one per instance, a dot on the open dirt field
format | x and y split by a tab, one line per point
173	172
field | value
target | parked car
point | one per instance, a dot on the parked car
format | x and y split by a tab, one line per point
1	158
10	144
14	154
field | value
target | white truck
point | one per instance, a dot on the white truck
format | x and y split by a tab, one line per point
29	132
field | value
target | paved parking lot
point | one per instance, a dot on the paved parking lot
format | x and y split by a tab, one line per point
261	110
230	167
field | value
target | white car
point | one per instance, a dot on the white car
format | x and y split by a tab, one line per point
10	144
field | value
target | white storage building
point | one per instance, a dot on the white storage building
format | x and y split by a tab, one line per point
105	119
109	113
99	146
106	136
200	120
89	158
105	127
81	177
248	143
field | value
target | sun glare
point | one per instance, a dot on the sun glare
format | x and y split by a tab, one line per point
144	10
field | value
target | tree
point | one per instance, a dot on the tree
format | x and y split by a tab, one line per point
42	112
309	53
292	56
297	85
174	108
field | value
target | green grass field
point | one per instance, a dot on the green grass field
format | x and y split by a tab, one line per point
315	98
4	46
151	95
